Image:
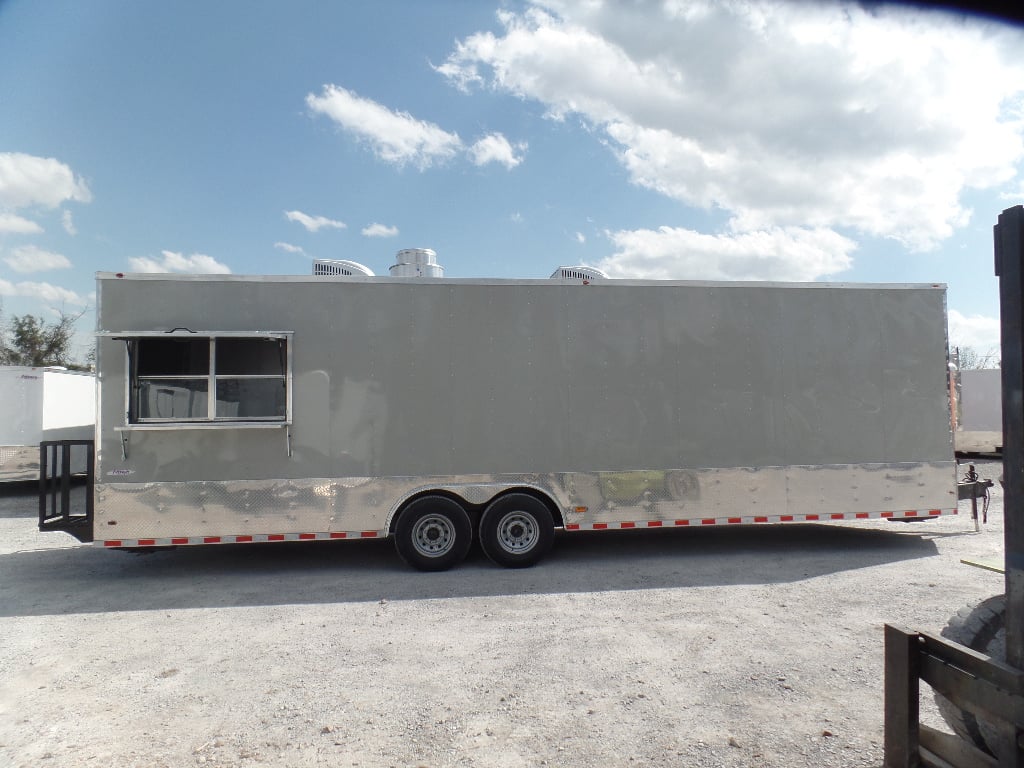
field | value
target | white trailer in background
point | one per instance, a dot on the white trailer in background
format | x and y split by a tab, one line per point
38	404
240	409
979	427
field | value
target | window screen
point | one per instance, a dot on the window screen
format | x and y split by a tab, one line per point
209	378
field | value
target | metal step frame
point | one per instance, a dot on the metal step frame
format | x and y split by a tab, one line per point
56	512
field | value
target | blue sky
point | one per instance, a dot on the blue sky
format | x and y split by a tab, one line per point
685	140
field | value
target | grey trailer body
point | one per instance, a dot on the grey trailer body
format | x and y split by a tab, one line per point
320	407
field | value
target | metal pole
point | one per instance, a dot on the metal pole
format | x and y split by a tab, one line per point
902	699
1009	258
42	485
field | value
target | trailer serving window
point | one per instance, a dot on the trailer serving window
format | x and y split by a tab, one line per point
197	379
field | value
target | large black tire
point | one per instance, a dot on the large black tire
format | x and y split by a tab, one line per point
433	533
516	530
981	627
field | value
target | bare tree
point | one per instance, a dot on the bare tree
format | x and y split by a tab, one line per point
32	341
970	359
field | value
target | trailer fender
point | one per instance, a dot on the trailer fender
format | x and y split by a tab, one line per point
475	497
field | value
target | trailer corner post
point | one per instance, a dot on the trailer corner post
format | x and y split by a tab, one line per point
1009	268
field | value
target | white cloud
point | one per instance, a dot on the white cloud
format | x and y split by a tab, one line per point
16	225
289	248
43	291
784	254
396	137
820	116
400	138
29	258
581	238
28	180
68	222
314	223
979	332
170	261
380	230
495	148
517	218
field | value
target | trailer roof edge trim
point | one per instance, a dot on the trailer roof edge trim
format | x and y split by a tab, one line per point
611	282
187	334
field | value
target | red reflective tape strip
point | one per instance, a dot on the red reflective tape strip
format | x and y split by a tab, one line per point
814	517
629	524
243	538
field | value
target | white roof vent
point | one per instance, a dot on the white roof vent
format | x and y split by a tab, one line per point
340	267
416	262
578	273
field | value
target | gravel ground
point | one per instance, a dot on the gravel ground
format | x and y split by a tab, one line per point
731	646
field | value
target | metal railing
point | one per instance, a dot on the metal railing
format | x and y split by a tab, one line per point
989	689
56	480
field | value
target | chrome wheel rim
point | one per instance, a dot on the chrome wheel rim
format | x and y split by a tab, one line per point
433	536
518	532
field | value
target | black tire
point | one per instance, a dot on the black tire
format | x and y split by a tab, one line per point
516	530
433	533
981	627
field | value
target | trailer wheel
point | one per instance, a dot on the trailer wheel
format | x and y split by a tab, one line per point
982	628
433	533
516	530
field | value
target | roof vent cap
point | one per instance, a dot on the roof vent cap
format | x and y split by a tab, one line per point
340	267
416	262
579	272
